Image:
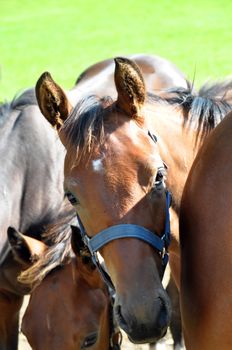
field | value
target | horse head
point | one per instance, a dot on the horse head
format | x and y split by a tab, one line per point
114	177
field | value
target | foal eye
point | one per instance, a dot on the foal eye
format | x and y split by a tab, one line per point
72	199
89	340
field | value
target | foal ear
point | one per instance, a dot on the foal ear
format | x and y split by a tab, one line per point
80	249
130	86
52	101
76	240
26	250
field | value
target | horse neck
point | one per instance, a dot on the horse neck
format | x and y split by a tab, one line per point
177	145
27	190
10	192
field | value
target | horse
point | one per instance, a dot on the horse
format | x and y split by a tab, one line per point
115	174
20	209
31	195
158	72
72	294
205	237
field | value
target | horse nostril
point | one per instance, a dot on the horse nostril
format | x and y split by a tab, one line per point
120	319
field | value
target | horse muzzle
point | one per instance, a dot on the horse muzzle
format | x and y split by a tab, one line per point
144	321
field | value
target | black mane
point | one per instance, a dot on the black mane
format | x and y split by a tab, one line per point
205	108
58	238
85	124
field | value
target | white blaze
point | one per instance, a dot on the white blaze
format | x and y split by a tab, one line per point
97	165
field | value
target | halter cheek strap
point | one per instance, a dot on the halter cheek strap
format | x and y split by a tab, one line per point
161	244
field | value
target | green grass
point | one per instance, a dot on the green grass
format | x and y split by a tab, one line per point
66	36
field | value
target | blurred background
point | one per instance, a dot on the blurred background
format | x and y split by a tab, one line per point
66	36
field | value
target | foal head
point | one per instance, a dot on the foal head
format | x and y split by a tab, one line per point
70	309
114	178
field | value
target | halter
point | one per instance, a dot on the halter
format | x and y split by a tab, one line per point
95	243
160	243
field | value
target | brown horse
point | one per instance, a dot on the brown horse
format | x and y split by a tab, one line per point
111	166
72	294
206	242
158	73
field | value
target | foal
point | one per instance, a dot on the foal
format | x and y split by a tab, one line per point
71	308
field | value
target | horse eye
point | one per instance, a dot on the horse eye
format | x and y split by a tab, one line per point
159	180
159	176
89	340
72	199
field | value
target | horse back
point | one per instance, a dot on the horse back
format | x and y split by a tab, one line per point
158	73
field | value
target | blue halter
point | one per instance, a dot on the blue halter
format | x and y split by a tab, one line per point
160	243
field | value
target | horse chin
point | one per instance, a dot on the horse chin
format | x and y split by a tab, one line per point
139	338
136	340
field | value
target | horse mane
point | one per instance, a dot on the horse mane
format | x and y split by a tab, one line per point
205	108
85	125
59	252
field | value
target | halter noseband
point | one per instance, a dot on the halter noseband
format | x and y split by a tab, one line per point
161	244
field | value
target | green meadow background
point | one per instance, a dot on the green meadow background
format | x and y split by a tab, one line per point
66	36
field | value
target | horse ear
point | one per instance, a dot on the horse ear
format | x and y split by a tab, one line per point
130	86
52	101
76	240
26	250
80	249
